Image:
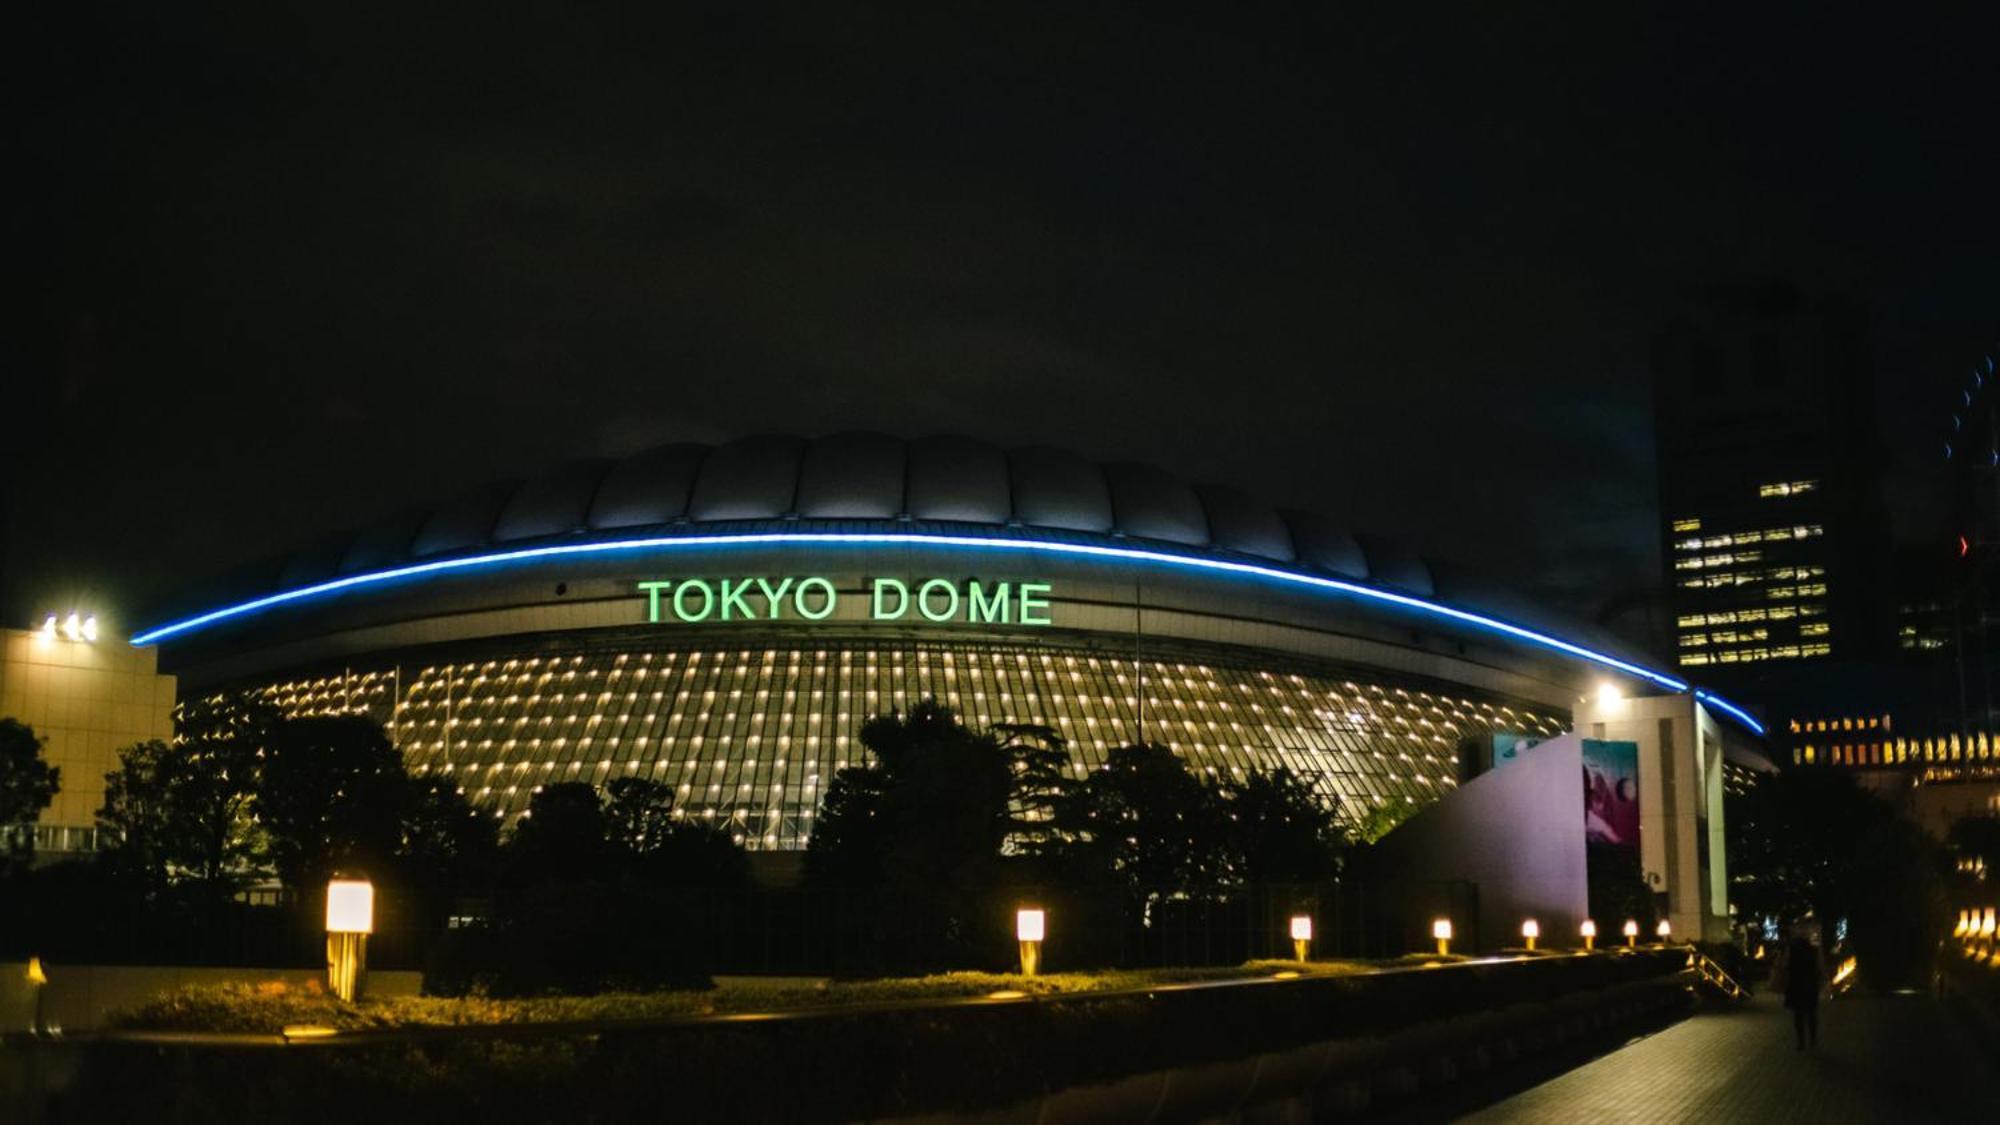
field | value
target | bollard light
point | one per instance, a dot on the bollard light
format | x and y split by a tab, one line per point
1631	934
350	918
1964	924
1986	925
1441	930
38	980
1589	932
1530	930
1302	935
1030	926
1665	930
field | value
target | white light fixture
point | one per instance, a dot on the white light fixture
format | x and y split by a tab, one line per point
350	918
1441	930
1608	695
1030	924
1530	930
73	626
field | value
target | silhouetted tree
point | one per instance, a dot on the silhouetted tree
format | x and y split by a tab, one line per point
919	833
332	795
561	836
447	846
27	786
661	848
1278	829
1148	825
180	813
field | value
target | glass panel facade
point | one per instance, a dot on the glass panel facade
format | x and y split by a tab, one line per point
749	736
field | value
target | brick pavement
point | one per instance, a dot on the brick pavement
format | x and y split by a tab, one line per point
1880	1058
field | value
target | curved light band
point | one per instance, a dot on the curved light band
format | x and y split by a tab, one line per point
1729	709
914	539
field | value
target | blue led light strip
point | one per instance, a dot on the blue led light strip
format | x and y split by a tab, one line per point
1728	708
895	539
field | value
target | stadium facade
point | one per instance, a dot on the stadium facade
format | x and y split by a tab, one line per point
723	619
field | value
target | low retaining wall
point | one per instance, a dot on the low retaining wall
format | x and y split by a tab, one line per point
1186	1051
78	997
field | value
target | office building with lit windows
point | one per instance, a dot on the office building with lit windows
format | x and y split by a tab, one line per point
1774	532
723	619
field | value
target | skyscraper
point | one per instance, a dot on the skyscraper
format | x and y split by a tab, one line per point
1770	469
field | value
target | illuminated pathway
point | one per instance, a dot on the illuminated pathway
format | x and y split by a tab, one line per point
1890	1058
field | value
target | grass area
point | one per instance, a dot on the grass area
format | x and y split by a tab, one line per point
273	1006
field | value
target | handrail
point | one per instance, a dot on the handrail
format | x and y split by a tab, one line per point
1713	975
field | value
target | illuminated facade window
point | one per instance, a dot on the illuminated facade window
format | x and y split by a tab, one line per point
751	736
1782	489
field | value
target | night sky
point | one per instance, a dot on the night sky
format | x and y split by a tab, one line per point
1400	263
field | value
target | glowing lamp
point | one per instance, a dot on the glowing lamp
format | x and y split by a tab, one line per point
1441	930
1302	935
1589	932
1530	930
1030	925
1665	930
350	906
48	629
1964	923
1631	933
350	918
1986	924
90	628
73	626
1608	695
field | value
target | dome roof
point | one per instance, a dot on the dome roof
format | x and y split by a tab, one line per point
871	479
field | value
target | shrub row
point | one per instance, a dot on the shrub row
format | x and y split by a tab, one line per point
822	1066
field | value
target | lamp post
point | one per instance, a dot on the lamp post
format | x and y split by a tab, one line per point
1589	931
1302	935
1030	925
1530	930
350	918
1631	934
1441	930
1664	930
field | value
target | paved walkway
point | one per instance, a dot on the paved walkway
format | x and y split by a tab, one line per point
1880	1058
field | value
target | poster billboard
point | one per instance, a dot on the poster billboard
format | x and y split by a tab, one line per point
1611	792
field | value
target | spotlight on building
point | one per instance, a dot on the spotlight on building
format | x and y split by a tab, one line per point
1441	930
1530	930
1302	935
350	918
1030	926
72	626
1589	932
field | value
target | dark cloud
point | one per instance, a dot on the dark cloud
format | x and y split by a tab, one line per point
1398	264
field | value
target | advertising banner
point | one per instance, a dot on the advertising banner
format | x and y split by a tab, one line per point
1611	792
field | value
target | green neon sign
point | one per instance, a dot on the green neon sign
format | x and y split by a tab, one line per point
940	600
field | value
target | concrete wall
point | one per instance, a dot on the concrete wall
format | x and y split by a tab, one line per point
80	996
1517	832
1681	828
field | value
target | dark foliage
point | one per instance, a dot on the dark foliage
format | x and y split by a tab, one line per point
27	785
332	795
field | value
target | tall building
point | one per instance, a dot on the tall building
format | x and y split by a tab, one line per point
1770	466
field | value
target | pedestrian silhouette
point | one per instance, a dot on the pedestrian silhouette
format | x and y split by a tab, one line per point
1802	979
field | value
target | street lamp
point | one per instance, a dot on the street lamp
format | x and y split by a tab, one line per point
1030	925
350	918
1589	931
1631	934
1302	935
1441	930
1530	930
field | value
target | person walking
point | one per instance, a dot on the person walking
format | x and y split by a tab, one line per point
1802	979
